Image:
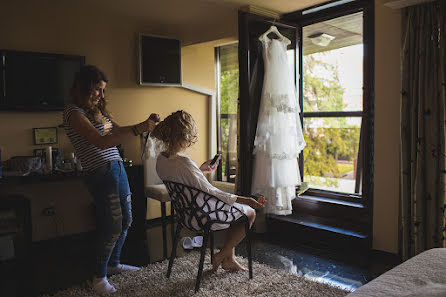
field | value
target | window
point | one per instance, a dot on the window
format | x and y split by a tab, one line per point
333	103
332	53
227	94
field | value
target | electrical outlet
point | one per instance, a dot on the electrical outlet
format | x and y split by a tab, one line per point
49	211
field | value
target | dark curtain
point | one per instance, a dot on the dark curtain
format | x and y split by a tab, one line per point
423	103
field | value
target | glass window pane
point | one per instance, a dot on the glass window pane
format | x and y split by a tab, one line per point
333	64
229	75
331	154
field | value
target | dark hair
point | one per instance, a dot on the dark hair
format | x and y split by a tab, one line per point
84	81
178	131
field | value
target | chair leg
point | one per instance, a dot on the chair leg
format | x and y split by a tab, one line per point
212	244
174	249
203	252
248	246
172	220
163	224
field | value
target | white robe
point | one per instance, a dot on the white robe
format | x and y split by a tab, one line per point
182	169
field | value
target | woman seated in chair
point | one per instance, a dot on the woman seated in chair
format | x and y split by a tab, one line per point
178	132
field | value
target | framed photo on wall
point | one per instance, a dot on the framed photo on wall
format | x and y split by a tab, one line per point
47	135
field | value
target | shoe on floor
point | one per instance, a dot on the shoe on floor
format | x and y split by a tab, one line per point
187	243
102	286
197	241
121	268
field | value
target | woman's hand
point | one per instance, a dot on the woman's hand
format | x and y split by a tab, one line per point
206	166
252	202
149	124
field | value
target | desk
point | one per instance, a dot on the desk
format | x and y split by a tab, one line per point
59	205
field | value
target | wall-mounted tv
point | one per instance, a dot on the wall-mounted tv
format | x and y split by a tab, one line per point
159	61
32	81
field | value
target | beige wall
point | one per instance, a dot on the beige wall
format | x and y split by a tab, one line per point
387	104
109	42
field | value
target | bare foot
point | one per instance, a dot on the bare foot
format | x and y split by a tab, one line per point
232	264
217	260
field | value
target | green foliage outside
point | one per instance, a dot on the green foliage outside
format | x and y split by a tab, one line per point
327	139
228	105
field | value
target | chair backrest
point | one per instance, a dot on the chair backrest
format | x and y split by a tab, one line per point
198	210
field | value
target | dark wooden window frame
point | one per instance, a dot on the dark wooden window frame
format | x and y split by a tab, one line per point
364	203
304	19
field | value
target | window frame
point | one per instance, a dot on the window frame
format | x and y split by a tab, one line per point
217	55
303	19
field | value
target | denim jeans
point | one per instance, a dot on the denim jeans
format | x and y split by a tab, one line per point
110	189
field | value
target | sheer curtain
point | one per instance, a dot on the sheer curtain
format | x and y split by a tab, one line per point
423	150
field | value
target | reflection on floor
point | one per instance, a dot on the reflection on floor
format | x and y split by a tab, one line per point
60	264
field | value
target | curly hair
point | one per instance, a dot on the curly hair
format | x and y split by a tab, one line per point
178	131
83	84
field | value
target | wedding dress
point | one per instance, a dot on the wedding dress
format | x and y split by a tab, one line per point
279	139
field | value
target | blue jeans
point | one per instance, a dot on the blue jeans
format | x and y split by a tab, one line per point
110	189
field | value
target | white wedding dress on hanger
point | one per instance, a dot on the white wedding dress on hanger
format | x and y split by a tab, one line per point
279	139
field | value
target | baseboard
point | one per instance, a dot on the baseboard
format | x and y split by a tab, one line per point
387	257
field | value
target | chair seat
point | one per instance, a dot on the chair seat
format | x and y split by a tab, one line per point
157	192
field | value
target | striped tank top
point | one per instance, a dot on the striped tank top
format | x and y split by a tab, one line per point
90	156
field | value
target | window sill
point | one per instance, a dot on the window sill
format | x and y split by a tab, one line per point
330	200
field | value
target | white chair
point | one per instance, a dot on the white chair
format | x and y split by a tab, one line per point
159	192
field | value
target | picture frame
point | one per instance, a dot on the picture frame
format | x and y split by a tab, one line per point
45	135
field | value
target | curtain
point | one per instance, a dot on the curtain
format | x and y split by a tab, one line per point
423	155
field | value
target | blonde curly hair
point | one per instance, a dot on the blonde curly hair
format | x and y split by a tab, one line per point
178	131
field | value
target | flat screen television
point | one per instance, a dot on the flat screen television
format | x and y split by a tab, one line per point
159	61
32	81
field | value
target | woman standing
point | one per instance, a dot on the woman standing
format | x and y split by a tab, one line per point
94	135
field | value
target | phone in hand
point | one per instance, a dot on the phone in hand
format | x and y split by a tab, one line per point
256	196
214	160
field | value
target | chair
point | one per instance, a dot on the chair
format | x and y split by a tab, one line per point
201	219
159	192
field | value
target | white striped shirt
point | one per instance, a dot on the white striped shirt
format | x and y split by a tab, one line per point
90	156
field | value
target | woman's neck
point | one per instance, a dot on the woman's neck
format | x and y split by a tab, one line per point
168	155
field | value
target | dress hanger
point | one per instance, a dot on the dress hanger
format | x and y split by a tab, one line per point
273	29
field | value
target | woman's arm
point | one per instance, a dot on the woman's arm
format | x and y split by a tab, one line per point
83	127
251	202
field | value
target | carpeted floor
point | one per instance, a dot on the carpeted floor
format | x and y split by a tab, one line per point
151	281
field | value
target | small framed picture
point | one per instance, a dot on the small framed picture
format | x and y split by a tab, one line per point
47	135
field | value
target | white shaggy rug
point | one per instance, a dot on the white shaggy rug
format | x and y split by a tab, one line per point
151	281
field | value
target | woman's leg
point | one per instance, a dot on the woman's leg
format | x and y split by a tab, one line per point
234	235
125	200
104	188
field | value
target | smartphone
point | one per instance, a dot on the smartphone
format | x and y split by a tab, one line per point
256	196
214	160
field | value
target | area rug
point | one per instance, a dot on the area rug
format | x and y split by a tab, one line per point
151	281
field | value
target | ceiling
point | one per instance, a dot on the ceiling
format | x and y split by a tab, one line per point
193	21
